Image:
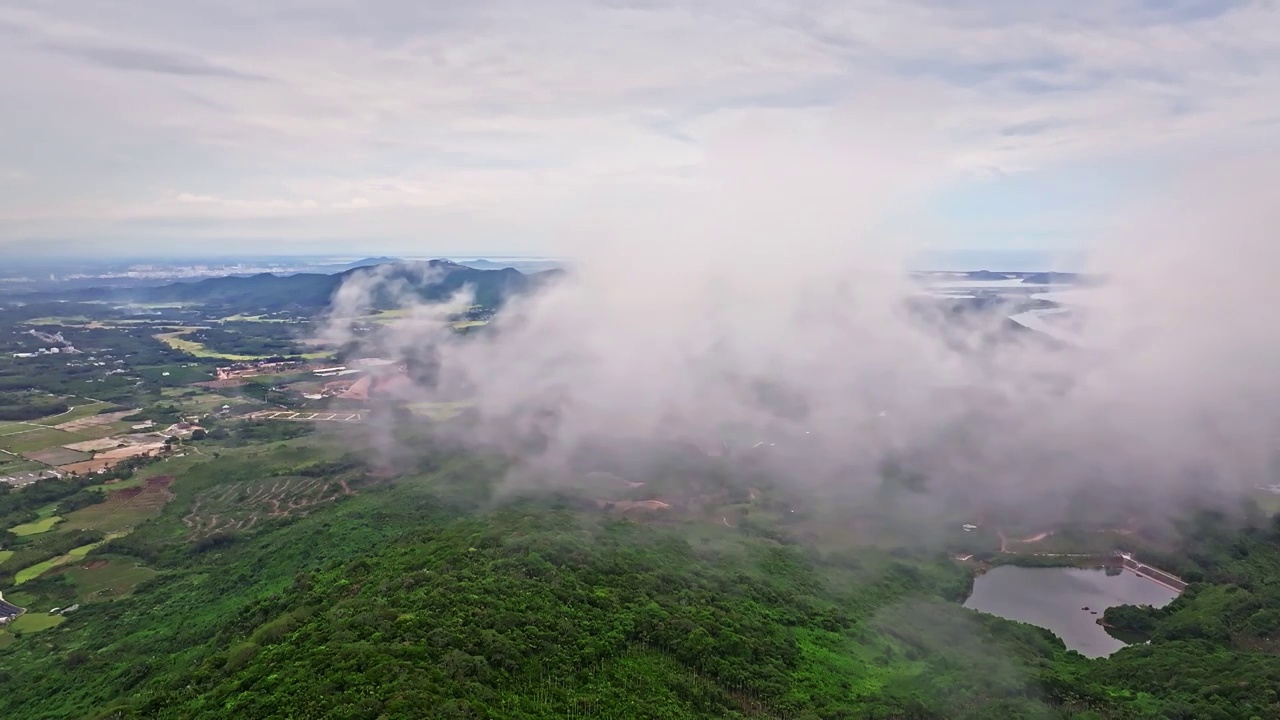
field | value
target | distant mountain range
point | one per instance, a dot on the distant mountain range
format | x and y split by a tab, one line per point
433	280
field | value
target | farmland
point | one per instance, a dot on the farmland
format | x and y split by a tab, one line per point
241	505
124	508
37	527
180	341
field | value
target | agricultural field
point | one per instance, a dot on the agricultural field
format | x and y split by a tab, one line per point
241	505
124	507
179	341
48	519
10	464
33	439
5	555
87	409
195	400
57	456
97	420
176	374
35	528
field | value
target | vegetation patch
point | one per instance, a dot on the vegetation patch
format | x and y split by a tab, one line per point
107	578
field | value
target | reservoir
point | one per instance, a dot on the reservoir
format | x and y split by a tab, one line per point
1054	598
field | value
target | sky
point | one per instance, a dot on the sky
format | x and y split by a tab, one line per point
502	127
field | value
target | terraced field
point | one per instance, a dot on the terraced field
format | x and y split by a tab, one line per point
241	505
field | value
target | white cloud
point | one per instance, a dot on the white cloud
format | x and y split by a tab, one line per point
419	109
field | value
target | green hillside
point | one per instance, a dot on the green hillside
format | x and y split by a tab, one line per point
425	595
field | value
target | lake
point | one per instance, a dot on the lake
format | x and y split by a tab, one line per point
1052	598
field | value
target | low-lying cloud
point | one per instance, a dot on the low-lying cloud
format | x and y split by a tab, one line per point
769	299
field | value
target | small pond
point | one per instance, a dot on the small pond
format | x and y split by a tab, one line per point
1054	598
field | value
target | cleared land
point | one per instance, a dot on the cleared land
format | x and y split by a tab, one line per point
57	456
93	421
241	505
305	416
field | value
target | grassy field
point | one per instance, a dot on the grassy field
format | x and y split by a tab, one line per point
194	400
81	408
176	374
1269	502
438	411
134	481
37	527
179	341
37	438
10	465
35	622
252	318
5	555
35	571
107	579
57	320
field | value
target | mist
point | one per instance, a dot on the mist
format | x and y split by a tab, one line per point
770	294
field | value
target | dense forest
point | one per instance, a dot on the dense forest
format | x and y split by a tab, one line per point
425	593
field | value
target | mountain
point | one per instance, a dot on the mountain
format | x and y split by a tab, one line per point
524	266
1052	278
434	280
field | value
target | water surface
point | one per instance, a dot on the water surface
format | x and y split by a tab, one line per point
1054	598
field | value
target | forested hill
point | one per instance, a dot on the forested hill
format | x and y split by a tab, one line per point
430	281
424	595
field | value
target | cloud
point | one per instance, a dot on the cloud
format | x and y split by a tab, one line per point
499	104
698	320
154	61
